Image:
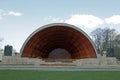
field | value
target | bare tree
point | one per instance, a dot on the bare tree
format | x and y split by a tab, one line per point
117	46
103	38
108	37
1	40
97	38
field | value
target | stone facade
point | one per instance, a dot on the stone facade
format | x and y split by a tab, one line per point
100	61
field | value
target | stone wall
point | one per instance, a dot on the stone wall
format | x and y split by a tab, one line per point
16	60
100	61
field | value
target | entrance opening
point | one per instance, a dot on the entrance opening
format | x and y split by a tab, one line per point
59	54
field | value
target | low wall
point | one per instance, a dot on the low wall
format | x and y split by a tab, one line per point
16	60
95	62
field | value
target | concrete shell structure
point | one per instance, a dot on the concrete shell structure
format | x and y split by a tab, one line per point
60	41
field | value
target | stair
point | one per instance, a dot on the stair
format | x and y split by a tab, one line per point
58	62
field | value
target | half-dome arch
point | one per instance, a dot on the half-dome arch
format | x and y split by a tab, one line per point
59	35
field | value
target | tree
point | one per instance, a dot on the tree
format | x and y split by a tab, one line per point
1	49
97	38
108	37
117	46
103	39
1	39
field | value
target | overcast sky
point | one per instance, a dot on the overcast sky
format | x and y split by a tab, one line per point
19	18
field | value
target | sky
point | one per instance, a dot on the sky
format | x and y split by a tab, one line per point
19	18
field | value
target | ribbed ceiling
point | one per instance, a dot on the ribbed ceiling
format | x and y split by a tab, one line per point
48	39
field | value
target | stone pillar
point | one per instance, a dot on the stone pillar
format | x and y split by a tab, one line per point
38	62
0	55
103	60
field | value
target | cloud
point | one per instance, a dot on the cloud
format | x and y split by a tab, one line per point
1	13
88	21
9	13
83	21
115	19
80	20
12	13
52	19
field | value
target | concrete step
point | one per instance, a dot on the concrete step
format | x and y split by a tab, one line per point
58	64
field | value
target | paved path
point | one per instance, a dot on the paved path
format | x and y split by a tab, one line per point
63	68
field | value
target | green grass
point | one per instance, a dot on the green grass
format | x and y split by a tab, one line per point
58	75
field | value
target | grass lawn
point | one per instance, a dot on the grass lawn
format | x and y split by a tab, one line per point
58	75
